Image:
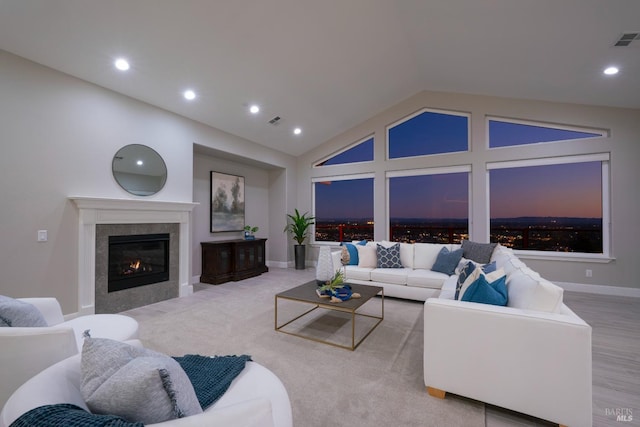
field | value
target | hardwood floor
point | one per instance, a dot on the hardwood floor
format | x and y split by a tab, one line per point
616	354
616	361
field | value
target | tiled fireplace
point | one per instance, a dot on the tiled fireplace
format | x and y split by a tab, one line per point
144	221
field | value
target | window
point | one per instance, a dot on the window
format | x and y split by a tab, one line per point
554	205
343	207
359	152
429	205
428	132
504	133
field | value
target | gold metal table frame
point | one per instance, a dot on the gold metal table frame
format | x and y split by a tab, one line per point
306	293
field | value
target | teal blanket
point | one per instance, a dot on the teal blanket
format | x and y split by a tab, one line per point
211	376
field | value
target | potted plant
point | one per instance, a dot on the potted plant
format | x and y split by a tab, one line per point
299	227
249	231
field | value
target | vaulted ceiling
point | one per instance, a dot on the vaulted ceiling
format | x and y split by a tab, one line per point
325	66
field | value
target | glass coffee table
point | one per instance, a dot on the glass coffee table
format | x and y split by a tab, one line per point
306	293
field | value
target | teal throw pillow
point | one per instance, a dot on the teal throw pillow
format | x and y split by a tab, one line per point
353	252
485	292
388	257
447	261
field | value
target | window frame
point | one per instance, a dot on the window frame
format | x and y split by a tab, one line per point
605	160
316	164
315	180
603	133
417	113
442	170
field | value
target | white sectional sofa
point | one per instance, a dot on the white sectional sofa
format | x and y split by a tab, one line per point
415	280
532	356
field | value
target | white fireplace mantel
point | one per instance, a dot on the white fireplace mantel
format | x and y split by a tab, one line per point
126	211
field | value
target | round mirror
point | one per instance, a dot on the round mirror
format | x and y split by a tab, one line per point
139	170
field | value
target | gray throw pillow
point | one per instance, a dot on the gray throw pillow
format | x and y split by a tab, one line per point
478	252
388	257
447	261
19	313
137	384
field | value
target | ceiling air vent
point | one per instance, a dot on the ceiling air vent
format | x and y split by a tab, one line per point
275	121
627	38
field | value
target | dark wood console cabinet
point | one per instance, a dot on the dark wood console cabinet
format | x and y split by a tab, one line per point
226	260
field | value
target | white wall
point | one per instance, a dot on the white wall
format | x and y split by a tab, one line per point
623	146
257	203
58	136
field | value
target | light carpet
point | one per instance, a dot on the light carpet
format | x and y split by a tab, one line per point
378	384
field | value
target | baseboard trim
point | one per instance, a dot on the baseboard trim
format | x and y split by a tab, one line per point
617	291
278	264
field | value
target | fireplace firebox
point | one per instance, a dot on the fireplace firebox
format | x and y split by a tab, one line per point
137	260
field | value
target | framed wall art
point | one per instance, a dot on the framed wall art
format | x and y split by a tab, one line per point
227	202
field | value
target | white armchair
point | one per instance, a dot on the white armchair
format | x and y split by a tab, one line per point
28	350
256	397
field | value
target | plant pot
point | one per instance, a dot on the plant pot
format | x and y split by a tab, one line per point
300	256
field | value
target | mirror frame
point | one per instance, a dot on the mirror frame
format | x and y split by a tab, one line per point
140	179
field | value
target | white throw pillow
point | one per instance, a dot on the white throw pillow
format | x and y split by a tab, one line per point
367	256
425	254
547	297
521	285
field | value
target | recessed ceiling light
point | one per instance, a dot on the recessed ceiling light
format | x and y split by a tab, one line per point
189	94
139	163
610	71
297	131
122	64
254	109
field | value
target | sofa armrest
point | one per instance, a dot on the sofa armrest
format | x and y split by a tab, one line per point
536	363
49	307
27	351
251	413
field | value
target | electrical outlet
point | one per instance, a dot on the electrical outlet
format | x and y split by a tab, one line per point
42	236
589	273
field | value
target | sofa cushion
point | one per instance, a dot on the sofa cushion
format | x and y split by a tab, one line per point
447	261
426	278
478	252
489	288
406	254
388	257
135	383
396	276
425	254
367	256
354	272
17	313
